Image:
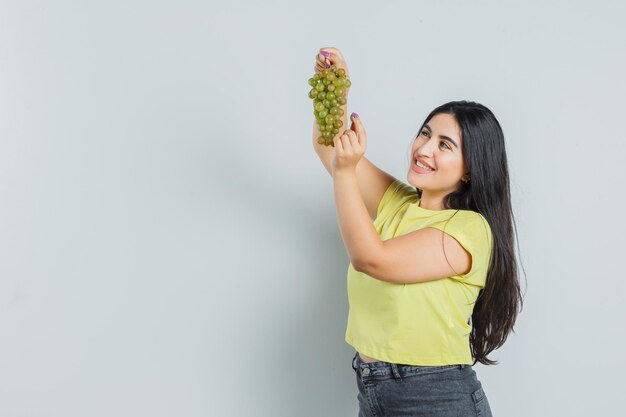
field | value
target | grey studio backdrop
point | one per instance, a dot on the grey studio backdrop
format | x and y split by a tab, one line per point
169	245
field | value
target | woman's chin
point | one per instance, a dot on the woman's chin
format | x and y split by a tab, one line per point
414	180
414	184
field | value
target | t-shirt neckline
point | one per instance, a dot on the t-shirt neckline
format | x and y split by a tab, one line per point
417	206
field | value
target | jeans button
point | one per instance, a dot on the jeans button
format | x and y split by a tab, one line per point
366	371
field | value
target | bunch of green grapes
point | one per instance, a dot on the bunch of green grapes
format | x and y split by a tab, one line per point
329	94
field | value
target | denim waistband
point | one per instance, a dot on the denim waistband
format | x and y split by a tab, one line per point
385	369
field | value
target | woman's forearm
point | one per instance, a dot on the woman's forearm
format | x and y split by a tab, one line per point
355	224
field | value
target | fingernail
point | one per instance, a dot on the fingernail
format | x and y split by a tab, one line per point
328	64
325	53
355	116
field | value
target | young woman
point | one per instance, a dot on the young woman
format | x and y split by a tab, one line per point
432	281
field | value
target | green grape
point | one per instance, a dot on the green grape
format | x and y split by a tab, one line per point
328	93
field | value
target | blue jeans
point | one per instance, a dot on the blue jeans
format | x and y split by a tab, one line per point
389	390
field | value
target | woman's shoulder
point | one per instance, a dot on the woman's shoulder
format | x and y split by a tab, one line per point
402	188
469	221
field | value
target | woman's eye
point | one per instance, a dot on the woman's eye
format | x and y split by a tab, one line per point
425	133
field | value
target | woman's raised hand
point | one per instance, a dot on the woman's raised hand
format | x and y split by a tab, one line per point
328	56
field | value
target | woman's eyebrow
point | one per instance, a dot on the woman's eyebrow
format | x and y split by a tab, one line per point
442	136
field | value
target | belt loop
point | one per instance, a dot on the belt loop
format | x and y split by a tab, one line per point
396	372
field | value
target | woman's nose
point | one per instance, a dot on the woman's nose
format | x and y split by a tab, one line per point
426	148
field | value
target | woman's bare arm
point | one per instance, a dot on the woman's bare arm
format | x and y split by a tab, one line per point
373	182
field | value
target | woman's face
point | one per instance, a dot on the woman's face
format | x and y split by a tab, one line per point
441	154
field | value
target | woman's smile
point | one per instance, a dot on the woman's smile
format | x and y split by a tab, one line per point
419	168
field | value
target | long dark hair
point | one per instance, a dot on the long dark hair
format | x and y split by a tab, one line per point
488	193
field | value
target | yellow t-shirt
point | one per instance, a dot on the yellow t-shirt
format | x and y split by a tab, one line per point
423	323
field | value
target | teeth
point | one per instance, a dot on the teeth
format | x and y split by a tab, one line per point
422	166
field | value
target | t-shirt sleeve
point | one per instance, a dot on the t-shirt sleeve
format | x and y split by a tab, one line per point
473	232
397	194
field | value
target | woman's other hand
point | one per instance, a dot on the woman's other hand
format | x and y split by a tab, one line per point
349	147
